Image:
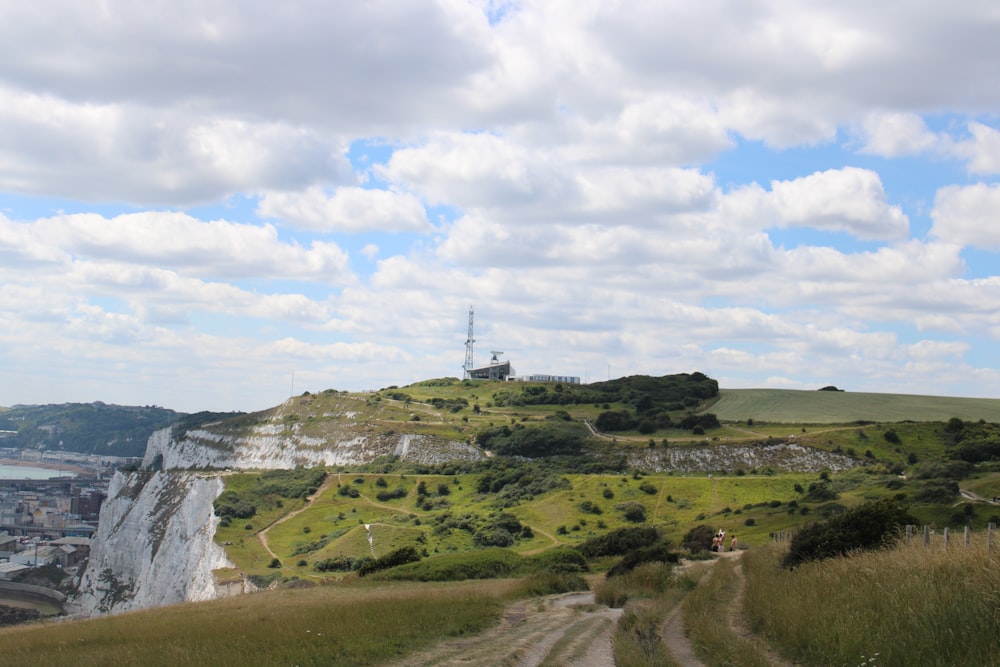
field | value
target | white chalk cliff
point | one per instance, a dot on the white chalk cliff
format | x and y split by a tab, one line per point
155	541
154	545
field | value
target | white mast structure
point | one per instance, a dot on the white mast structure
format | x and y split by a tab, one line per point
468	349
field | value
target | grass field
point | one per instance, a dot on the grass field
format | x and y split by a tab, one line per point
836	407
363	624
912	605
334	524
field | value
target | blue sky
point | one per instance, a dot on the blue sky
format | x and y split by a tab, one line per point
199	203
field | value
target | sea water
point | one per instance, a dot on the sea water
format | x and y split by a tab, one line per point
26	472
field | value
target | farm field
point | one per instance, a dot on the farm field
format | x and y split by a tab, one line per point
841	407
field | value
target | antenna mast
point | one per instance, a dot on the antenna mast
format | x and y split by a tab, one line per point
468	349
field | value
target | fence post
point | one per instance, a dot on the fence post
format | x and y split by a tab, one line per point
927	536
909	533
947	534
967	531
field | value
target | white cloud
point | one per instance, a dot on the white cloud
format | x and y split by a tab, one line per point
120	151
982	150
573	149
219	248
967	215
849	199
348	209
895	134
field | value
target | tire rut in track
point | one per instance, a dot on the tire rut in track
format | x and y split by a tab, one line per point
567	630
680	646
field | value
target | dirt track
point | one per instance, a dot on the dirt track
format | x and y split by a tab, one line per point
567	630
570	631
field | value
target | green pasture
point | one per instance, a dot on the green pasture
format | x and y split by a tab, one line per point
332	525
835	407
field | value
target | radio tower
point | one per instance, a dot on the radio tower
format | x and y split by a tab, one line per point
468	350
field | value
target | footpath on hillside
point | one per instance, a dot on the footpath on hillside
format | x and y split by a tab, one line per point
680	647
570	630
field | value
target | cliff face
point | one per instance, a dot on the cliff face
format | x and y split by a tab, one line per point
154	543
268	446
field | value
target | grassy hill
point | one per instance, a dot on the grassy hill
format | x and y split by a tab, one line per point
841	407
562	501
306	532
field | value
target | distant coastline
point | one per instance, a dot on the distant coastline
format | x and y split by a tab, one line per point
68	469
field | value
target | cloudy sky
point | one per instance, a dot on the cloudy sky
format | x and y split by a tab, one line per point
211	205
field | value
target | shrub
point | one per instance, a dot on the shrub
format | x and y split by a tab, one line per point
620	420
699	538
550	582
866	527
481	564
655	553
619	541
937	491
548	439
820	492
632	511
395	494
560	559
392	559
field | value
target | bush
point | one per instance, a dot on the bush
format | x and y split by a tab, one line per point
699	538
395	494
620	420
820	492
937	491
481	564
560	559
655	553
550	582
392	559
632	511
548	439
866	527
619	541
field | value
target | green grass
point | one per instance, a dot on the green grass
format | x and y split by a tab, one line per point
828	407
707	611
334	521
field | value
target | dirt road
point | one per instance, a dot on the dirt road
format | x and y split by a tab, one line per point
567	630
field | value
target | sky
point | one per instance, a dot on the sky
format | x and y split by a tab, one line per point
215	205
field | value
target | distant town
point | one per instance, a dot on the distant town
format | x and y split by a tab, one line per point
50	522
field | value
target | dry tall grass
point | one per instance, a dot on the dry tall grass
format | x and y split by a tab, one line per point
708	619
910	605
329	625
